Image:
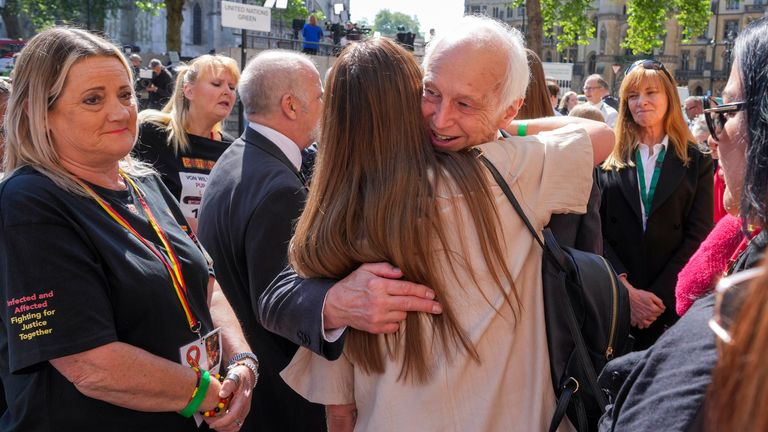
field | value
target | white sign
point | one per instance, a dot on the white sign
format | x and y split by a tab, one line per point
561	73
243	16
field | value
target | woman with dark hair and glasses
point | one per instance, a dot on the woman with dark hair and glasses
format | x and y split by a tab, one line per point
656	197
670	380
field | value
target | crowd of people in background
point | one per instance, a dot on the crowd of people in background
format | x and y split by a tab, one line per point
349	263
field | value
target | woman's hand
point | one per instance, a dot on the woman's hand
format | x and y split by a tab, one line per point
239	384
341	418
645	306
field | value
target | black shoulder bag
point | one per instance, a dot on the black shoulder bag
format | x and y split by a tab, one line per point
587	317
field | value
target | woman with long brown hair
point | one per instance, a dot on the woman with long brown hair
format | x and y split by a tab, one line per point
382	193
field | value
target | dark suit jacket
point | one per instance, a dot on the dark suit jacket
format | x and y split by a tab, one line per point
249	208
680	219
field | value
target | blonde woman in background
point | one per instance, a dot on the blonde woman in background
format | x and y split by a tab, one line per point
185	139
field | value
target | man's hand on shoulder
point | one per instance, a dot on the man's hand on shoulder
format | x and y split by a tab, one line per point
373	299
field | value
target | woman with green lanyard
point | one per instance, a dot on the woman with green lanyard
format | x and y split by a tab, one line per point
109	305
656	190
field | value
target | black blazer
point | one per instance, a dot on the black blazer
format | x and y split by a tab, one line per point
252	200
680	218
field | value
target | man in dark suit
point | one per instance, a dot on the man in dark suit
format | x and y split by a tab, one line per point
369	299
255	194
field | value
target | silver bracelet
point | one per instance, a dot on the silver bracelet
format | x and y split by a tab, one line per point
241	359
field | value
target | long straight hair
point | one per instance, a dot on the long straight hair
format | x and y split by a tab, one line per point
627	130
751	54
537	103
39	77
373	198
174	116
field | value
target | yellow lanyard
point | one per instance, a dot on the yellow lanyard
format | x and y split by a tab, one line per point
173	267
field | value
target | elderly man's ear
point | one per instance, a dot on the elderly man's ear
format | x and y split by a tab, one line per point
510	113
289	105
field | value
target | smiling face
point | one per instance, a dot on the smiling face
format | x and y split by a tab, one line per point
648	103
212	95
571	102
461	102
93	121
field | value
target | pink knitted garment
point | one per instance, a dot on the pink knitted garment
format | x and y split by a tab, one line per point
707	265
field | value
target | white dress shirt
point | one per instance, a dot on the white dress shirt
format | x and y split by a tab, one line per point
289	148
610	114
649	155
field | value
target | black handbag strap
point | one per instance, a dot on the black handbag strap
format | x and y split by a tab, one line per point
578	339
511	197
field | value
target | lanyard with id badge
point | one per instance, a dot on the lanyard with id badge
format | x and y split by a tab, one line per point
204	352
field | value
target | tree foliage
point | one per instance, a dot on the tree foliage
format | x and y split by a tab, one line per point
387	22
569	24
646	19
43	13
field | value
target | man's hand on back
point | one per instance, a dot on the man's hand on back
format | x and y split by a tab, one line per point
372	299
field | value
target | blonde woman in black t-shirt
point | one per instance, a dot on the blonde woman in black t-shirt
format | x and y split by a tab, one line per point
106	299
185	139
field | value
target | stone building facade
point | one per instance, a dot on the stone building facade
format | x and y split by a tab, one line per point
701	65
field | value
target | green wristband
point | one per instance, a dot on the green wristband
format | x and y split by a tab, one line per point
522	129
198	396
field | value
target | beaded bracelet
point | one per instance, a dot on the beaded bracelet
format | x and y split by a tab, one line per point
198	395
220	405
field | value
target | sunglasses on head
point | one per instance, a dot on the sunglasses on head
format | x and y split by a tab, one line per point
716	117
650	65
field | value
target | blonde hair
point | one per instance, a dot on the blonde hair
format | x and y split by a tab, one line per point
565	97
40	73
626	129
173	117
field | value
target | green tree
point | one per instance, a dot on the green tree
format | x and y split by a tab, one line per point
568	23
43	13
387	22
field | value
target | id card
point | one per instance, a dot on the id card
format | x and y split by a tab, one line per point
204	353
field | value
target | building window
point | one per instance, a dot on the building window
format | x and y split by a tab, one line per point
731	26
591	64
685	58
548	57
510	12
700	61
475	9
732	4
603	36
495	12
197	25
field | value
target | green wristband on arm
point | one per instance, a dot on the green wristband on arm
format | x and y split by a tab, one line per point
197	396
522	129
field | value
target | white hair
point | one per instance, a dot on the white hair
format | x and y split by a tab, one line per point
269	76
486	33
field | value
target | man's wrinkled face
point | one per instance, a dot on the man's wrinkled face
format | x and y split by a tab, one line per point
461	100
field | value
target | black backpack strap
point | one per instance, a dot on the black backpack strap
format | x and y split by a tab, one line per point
567	393
511	197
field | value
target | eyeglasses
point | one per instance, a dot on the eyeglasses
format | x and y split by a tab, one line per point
730	294
591	88
650	65
716	117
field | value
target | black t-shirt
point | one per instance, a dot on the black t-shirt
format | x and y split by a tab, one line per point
73	280
185	174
